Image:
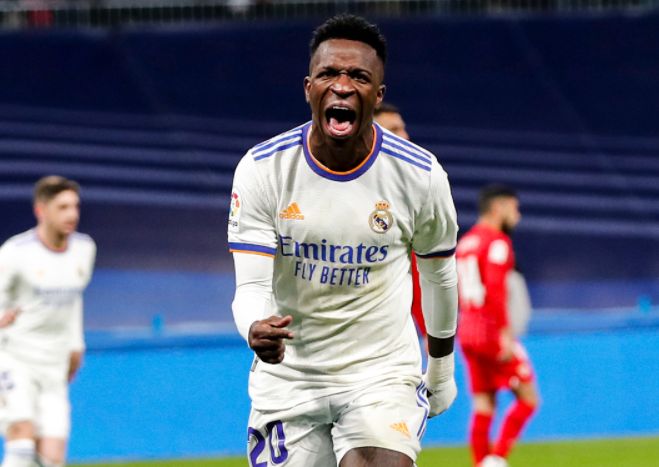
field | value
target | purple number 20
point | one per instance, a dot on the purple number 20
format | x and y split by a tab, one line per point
278	453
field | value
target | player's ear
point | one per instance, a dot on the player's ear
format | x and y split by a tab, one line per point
381	90
38	210
307	85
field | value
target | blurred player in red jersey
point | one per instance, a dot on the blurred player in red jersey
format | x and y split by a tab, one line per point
389	117
496	360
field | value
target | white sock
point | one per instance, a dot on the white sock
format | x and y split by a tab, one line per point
43	462
19	453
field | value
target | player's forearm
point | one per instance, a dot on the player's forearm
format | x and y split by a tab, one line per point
253	290
440	309
439	294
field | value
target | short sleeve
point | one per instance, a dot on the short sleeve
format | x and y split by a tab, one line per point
7	274
436	228
251	227
92	259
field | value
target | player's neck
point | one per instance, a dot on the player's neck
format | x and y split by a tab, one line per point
51	239
340	156
491	222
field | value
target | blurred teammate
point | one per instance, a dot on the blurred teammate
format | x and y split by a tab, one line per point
322	221
496	360
43	273
389	117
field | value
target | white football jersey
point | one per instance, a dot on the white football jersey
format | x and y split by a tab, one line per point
46	286
341	245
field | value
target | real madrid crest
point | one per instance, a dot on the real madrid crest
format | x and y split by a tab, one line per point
381	219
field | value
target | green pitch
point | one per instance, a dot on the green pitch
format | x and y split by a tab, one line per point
628	452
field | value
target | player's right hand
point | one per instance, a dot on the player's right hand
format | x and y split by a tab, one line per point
8	317
266	338
506	346
442	397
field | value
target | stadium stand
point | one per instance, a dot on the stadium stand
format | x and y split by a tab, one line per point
544	108
153	119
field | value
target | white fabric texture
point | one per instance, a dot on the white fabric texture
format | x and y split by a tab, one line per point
253	290
19	453
441	383
46	286
340	244
439	295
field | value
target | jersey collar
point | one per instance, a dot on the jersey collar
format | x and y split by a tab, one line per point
325	172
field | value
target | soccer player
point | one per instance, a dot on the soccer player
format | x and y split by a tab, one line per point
496	360
43	273
389	117
322	220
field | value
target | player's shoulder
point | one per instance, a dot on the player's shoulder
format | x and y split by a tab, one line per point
469	242
477	238
82	238
22	240
83	244
290	139
407	153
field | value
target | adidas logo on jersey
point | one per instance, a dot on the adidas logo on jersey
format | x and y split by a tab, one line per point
401	427
292	212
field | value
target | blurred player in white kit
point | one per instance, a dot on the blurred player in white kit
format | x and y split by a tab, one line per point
43	273
322	222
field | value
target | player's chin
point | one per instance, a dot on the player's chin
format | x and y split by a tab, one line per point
68	229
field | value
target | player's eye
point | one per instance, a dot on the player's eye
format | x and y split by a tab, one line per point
328	73
361	77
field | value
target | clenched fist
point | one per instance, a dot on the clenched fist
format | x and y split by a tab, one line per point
266	338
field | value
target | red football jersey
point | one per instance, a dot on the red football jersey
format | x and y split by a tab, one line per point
484	258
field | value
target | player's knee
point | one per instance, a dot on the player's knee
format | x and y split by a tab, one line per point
23	429
529	396
484	404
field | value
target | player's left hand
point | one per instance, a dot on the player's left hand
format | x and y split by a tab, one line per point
75	362
8	317
506	344
441	397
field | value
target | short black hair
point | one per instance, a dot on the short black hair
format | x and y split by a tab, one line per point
351	27
52	185
386	108
490	192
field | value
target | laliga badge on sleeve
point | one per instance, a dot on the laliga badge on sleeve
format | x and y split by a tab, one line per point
234	212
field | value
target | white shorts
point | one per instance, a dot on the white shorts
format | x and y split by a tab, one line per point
33	393
320	432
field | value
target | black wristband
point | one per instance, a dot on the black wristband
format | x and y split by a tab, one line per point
438	347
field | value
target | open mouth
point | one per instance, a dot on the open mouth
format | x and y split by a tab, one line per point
340	120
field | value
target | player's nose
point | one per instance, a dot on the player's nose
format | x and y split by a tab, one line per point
342	85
